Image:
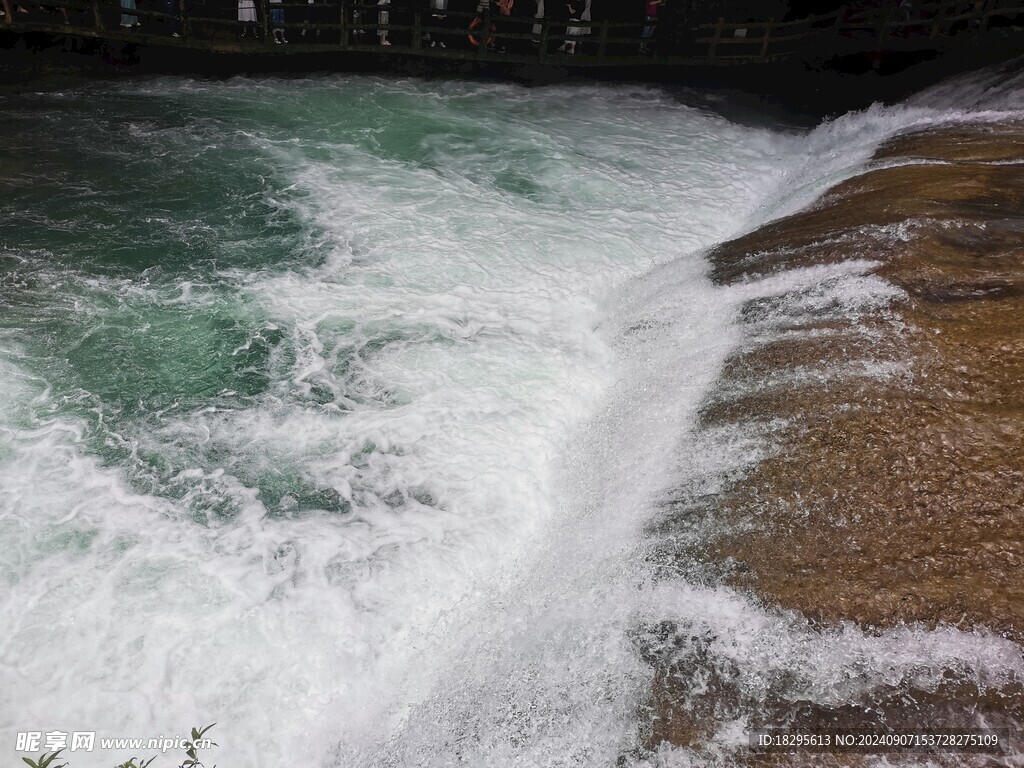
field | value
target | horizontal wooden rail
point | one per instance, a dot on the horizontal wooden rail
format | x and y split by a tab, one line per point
344	25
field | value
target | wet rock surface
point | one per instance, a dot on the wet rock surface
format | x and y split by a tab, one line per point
889	488
900	498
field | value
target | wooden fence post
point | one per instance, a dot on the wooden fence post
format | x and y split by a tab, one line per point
940	16
545	33
343	24
602	43
837	26
265	15
718	36
485	30
767	37
417	29
986	14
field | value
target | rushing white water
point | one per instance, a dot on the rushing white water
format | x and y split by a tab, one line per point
347	439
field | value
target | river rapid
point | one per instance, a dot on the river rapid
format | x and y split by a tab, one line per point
339	410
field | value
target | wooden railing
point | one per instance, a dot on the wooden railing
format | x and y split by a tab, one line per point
764	41
333	24
882	29
931	20
395	28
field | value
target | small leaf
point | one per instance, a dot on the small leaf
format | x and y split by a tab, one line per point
44	760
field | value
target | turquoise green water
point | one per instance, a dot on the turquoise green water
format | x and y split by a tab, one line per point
136	219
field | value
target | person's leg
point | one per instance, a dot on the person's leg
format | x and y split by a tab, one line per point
383	17
173	23
357	31
647	34
277	20
440	39
127	19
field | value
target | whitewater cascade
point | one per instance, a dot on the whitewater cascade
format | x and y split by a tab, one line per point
335	410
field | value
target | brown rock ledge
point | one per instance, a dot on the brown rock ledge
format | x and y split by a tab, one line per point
883	498
902	498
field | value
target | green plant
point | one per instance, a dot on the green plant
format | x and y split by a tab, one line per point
45	761
192	748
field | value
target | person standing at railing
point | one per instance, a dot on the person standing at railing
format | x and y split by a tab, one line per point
277	20
569	46
311	18
436	18
128	20
247	17
358	33
538	28
558	13
650	22
668	37
502	24
512	13
575	31
383	17
173	10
